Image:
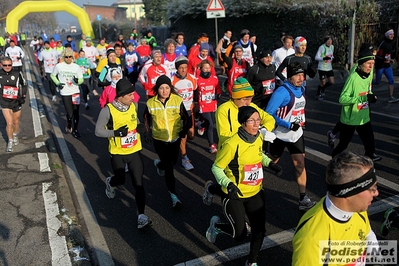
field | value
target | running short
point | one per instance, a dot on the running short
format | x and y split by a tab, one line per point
278	146
325	74
14	105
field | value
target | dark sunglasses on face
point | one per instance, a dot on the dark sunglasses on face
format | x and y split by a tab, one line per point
6	65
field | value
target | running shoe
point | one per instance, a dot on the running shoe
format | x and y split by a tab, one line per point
330	139
68	129
175	200
159	171
393	99
109	191
54	98
306	204
200	129
319	97
76	134
87	106
212	231
143	221
213	149
15	139
187	164
251	264
9	146
207	197
248	227
389	216
376	158
126	168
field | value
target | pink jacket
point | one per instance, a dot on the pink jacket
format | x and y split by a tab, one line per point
109	94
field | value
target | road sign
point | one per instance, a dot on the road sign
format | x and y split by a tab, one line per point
215	5
98	17
215	14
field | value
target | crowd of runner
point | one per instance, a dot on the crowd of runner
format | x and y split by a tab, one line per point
264	115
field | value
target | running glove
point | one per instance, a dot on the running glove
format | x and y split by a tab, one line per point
121	132
294	126
233	191
61	85
326	58
182	134
276	168
371	98
147	137
75	79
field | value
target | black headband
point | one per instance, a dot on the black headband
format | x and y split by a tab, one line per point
353	187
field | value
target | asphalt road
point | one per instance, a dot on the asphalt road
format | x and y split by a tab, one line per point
177	237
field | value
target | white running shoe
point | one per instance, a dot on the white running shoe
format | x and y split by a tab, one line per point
54	99
207	197
143	221
109	191
187	164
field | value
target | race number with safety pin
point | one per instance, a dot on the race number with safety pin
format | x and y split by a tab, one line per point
76	98
130	139
10	92
253	174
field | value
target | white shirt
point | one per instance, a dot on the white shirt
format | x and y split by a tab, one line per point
14	53
49	58
92	54
66	73
278	57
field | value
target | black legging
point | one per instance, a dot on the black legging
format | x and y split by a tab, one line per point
136	169
365	133
51	84
168	153
209	125
84	89
72	112
235	211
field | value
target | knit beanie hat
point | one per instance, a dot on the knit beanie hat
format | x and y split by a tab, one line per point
245	112
242	89
389	32
300	41
294	68
110	50
365	56
265	53
161	80
237	46
154	52
180	61
204	46
124	87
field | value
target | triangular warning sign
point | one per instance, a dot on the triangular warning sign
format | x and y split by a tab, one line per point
215	5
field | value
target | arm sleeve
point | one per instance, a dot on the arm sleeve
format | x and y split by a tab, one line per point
220	176
318	56
102	120
279	71
53	76
250	74
279	98
265	160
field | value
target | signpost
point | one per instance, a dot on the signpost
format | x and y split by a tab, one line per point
215	10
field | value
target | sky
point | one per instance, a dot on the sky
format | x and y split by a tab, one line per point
64	17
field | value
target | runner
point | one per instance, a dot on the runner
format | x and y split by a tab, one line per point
238	169
281	53
181	48
68	76
118	122
13	91
287	106
325	55
85	65
133	63
16	54
208	92
104	79
194	61
339	216
185	84
166	110
49	58
169	57
92	54
248	49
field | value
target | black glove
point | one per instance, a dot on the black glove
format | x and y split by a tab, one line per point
21	100
140	128
61	85
121	132
147	137
233	191
276	168
294	126
371	98
75	79
182	134
326	58
19	58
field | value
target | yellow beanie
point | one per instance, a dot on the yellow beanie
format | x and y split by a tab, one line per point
242	89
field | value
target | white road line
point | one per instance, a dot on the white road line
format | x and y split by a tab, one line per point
43	162
37	124
58	246
287	235
39	144
97	242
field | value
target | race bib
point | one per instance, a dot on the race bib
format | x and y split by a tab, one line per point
10	92
206	97
298	116
253	174
76	98
363	105
129	140
50	62
186	94
268	86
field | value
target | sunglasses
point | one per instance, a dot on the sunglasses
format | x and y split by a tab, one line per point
6	65
68	56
